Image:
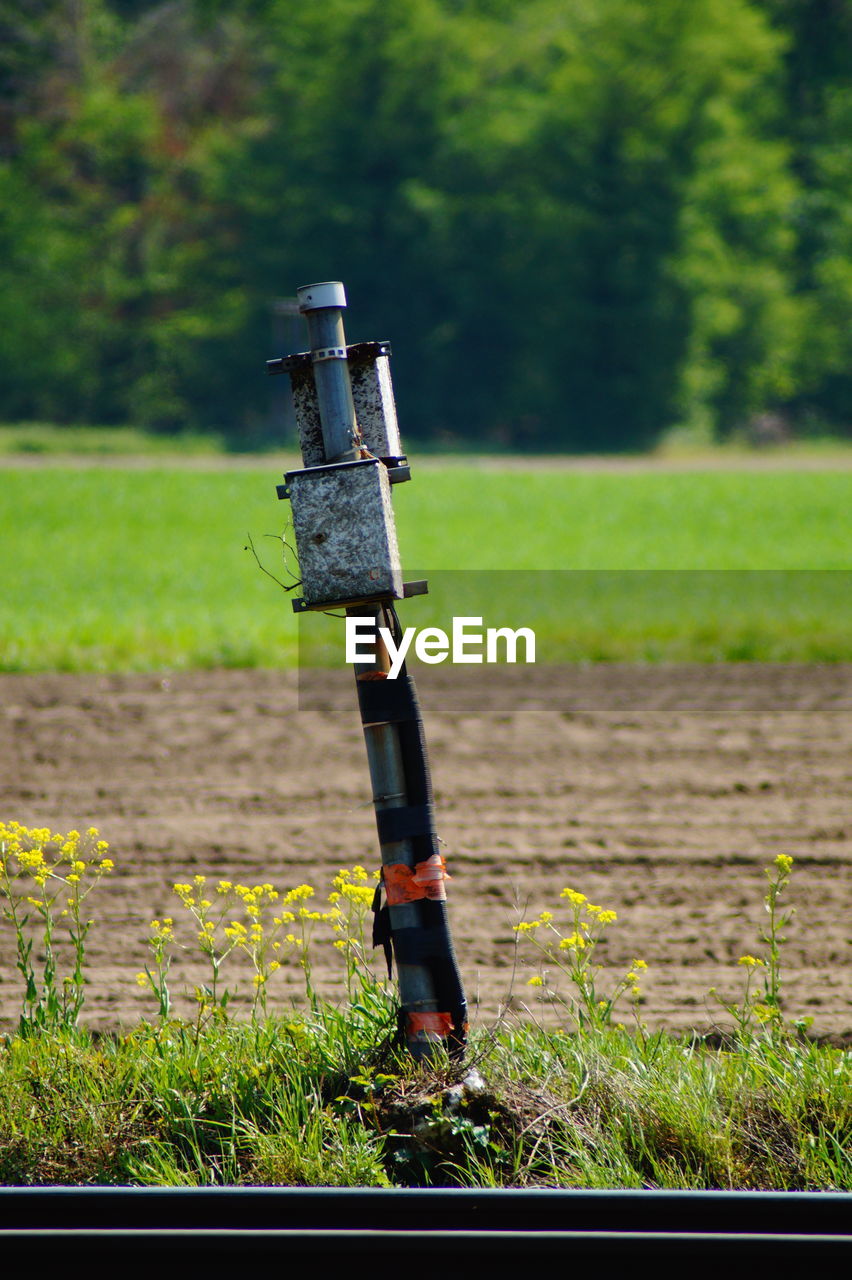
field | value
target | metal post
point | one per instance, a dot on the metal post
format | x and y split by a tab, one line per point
322	306
390	791
346	508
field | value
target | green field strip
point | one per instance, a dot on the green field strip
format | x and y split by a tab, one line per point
140	569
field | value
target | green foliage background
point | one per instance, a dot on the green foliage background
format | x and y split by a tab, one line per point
579	223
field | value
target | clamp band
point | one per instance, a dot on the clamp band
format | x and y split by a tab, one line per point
327	353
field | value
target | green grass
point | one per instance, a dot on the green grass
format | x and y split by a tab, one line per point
311	1101
48	439
482	519
145	568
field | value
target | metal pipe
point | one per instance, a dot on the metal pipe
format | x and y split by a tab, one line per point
434	1010
387	773
322	306
353	1226
410	1209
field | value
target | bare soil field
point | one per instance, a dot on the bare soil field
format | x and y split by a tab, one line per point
661	792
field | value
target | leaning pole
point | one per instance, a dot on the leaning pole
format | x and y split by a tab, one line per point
348	558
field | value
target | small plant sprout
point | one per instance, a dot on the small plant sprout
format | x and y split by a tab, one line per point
778	875
760	1009
569	947
159	940
45	878
214	943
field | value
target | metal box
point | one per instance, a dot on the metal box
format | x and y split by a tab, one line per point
372	395
345	534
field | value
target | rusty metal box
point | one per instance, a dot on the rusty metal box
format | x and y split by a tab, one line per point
372	396
345	533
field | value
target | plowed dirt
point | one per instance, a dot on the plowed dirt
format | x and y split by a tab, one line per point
660	792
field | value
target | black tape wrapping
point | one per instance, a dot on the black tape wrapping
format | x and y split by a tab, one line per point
387	701
396	702
431	944
418	779
404	822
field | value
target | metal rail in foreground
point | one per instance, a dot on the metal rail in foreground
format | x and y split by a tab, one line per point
326	1224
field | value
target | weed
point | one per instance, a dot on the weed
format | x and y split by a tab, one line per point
45	878
570	949
271	928
758	1016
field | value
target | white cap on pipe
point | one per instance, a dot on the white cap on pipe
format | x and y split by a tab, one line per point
314	297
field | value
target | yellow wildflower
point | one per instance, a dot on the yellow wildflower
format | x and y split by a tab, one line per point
299	894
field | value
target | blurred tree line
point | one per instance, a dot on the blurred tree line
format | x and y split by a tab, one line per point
578	221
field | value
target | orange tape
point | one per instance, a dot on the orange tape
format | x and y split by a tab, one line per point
440	1024
425	881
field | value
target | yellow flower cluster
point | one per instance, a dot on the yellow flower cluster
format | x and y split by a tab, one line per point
595	916
69	866
300	894
163	930
266	925
354	886
48	856
571	950
242	919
